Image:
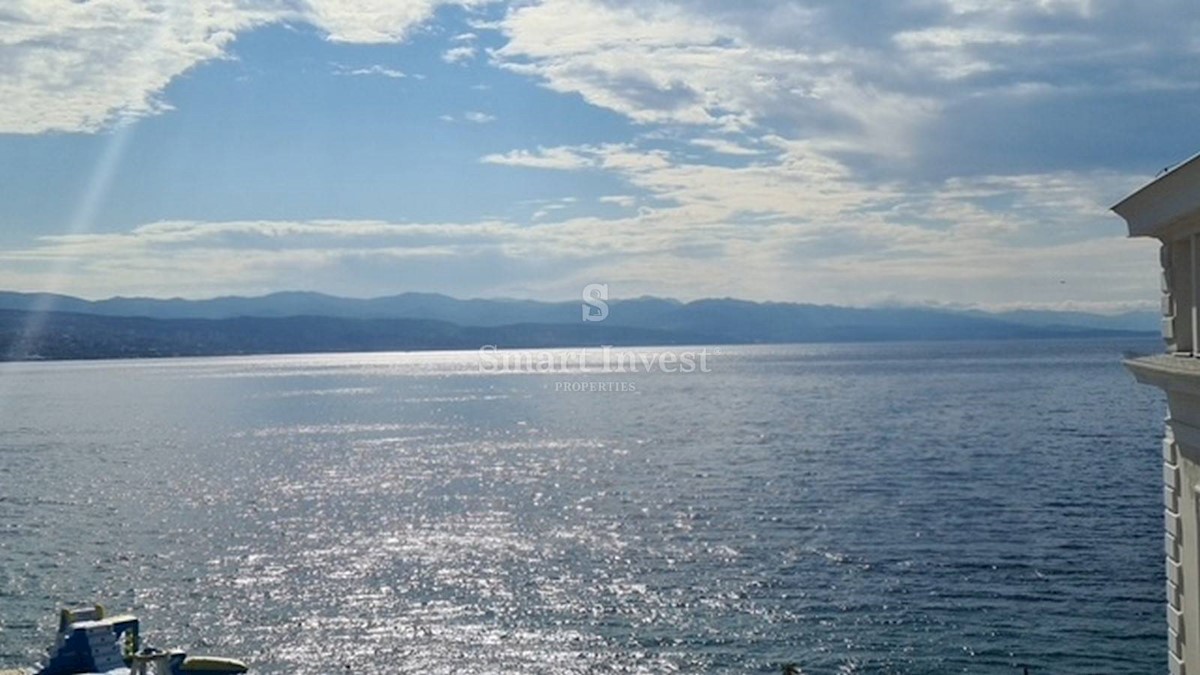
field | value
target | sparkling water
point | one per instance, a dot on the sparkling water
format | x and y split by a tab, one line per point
884	508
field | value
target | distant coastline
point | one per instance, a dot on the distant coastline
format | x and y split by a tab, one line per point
52	327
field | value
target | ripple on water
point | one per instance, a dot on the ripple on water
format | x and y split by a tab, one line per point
882	509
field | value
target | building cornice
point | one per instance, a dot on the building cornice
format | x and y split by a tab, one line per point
1166	204
1170	373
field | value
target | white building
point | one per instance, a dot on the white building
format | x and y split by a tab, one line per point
1168	209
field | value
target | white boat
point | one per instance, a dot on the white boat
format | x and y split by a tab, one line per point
89	642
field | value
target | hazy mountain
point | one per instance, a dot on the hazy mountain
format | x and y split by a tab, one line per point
64	335
296	303
304	322
649	312
1138	321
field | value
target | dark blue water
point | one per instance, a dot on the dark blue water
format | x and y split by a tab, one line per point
914	508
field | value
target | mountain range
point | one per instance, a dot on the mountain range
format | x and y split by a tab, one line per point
71	327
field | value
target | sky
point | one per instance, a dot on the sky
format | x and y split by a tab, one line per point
918	152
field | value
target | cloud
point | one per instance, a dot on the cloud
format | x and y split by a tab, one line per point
876	84
992	238
377	70
796	182
945	148
793	227
669	63
459	54
368	21
950	149
471	116
723	146
559	158
952	53
81	66
465	49
624	201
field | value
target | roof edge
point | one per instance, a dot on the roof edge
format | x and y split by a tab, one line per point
1163	203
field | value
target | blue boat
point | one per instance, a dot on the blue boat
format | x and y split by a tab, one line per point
88	642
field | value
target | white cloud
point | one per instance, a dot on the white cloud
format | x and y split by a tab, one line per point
1082	8
796	182
381	71
794	227
819	115
476	117
79	66
560	158
624	201
875	82
950	52
800	215
661	63
370	21
460	54
723	146
831	111
472	116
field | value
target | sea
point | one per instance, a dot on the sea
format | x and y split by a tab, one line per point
944	507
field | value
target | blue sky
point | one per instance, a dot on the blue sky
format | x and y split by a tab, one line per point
955	152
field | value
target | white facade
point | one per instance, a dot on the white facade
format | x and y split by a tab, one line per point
1169	210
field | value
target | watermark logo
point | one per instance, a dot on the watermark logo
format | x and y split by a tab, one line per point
595	302
590	387
605	360
602	361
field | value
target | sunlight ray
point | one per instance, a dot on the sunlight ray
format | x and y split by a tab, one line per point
82	220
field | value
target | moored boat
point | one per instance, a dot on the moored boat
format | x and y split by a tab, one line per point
88	642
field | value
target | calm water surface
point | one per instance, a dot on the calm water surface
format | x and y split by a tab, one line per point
910	508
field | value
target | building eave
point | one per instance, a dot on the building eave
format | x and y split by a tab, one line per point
1167	372
1165	204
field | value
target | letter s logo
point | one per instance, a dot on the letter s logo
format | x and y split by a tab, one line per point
594	306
